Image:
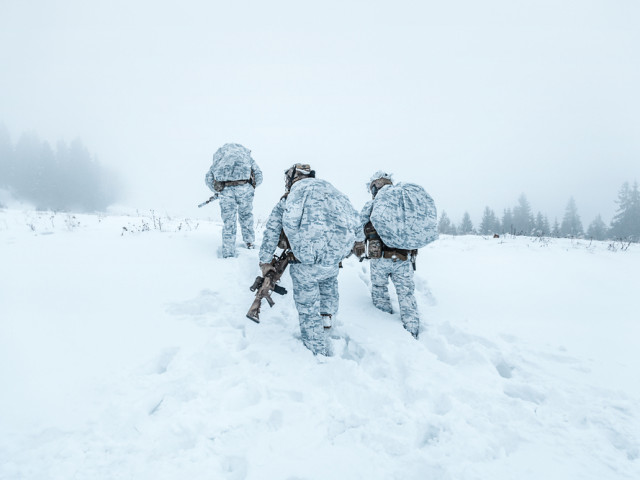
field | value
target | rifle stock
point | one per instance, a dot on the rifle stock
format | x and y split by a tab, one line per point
263	286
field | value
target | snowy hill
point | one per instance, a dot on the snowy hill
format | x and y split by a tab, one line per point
125	353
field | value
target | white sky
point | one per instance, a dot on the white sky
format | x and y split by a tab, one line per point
477	101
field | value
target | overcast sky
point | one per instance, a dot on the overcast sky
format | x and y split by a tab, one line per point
478	101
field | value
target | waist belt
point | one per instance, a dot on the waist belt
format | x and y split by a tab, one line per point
233	183
397	253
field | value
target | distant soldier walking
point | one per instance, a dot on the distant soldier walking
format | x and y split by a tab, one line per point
319	223
393	225
234	174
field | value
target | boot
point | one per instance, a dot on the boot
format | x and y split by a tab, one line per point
413	330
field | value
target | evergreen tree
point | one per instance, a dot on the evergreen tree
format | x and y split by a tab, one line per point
507	221
571	223
538	227
597	229
490	223
555	230
545	225
626	221
444	224
466	227
522	217
69	179
541	225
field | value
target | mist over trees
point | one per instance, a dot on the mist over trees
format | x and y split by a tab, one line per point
67	178
541	226
466	226
597	229
522	218
489	223
571	224
626	221
507	222
519	220
445	226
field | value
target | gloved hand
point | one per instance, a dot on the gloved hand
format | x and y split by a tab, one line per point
266	268
358	249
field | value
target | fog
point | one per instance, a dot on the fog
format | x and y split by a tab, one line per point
476	101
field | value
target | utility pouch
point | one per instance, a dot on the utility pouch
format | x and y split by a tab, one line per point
374	249
218	186
370	232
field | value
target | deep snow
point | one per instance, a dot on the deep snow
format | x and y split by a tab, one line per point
125	353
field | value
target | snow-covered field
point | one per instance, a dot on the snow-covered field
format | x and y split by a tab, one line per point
125	353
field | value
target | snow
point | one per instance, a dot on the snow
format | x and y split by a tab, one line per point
127	354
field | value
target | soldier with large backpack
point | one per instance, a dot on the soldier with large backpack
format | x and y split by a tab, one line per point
398	221
319	223
234	175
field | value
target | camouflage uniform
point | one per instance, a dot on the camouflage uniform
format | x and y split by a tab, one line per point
401	274
320	225
415	231
233	162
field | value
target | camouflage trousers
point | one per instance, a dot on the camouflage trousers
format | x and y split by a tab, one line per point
315	291
401	273
236	202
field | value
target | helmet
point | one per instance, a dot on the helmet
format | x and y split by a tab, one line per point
297	172
379	180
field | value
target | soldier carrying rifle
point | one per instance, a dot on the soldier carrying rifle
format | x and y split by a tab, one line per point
320	224
233	176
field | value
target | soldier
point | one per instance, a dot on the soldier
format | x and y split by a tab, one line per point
405	226
319	223
234	174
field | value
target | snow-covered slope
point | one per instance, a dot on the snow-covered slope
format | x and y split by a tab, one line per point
125	353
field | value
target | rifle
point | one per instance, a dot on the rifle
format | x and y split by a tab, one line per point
211	199
263	286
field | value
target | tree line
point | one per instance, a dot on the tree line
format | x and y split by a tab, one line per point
67	178
520	220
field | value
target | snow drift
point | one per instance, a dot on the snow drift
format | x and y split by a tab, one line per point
125	353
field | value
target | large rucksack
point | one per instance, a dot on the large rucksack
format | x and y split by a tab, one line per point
319	222
404	215
232	162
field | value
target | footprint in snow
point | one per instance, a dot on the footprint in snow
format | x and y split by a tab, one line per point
363	273
160	364
235	468
276	420
205	303
505	370
524	392
349	350
422	287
